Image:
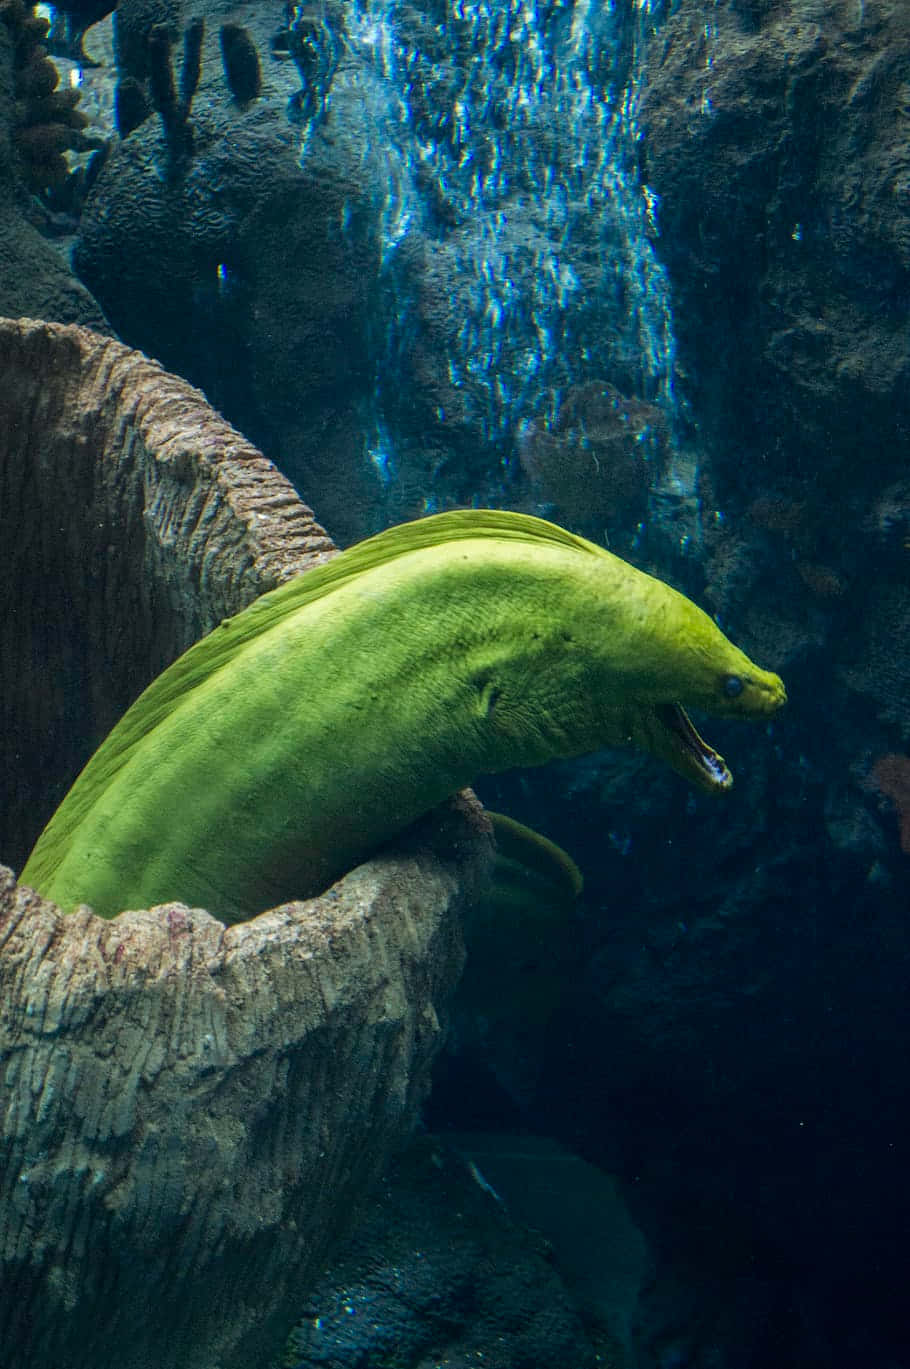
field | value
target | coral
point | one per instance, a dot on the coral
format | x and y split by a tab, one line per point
891	775
156	87
315	46
175	111
47	122
133	23
241	63
131	105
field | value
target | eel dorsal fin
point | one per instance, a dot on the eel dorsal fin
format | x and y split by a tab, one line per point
221	645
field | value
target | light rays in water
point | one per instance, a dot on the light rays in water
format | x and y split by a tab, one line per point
506	132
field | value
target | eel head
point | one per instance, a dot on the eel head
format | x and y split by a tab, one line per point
666	730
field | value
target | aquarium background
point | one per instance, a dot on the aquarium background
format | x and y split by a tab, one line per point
643	268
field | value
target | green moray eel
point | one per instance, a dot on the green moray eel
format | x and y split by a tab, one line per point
294	739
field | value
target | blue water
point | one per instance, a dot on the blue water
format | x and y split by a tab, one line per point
733	1033
508	136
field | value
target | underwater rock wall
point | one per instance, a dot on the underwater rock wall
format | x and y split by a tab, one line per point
270	263
424	235
748	963
774	135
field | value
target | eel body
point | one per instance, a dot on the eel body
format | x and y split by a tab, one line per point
294	739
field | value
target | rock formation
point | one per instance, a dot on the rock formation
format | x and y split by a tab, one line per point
187	1113
132	520
35	278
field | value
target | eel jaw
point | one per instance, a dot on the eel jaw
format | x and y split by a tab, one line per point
671	735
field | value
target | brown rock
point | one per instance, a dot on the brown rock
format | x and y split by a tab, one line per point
132	519
187	1112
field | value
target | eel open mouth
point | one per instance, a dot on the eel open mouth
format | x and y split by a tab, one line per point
688	752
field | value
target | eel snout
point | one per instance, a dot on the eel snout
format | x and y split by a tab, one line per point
770	692
752	694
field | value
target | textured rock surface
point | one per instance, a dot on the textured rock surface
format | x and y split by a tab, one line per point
186	1112
35	277
250	244
381	328
741	1032
592	469
775	135
440	1271
132	519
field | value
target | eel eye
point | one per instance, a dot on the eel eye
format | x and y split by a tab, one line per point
733	686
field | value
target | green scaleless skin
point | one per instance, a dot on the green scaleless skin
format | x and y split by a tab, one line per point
300	735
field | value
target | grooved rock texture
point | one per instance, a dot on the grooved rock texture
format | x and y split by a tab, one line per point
132	519
187	1113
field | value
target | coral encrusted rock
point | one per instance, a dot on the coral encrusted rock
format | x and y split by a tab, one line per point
35	276
188	1112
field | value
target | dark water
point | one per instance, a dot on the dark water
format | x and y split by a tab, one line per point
642	268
